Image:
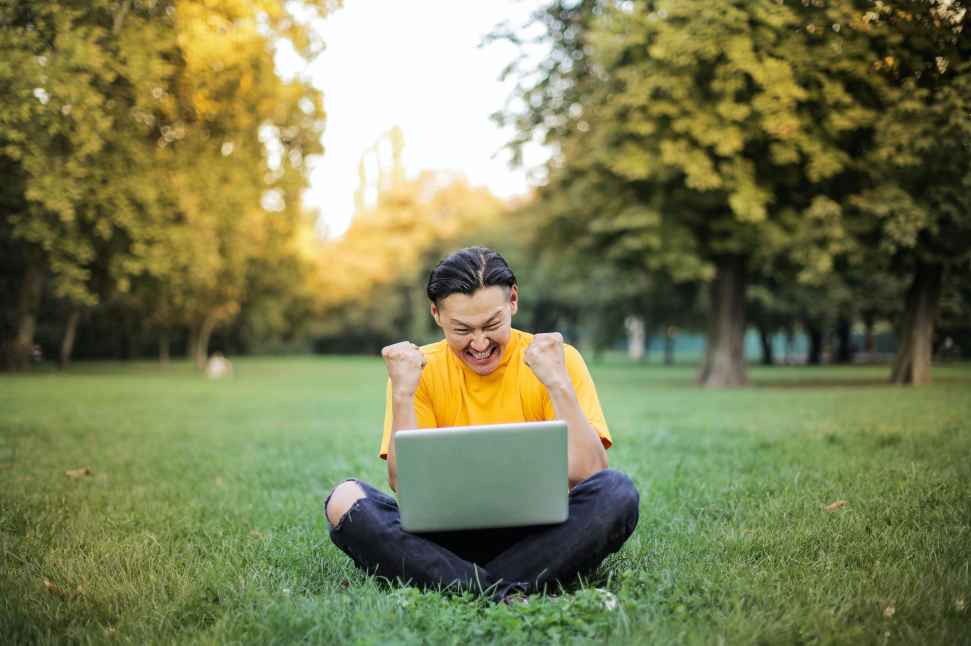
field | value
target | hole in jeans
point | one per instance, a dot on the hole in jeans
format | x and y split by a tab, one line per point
361	493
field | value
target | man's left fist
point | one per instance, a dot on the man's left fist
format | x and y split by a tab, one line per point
544	356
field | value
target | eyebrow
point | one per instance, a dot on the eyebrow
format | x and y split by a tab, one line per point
491	320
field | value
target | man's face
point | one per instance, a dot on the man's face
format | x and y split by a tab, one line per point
478	326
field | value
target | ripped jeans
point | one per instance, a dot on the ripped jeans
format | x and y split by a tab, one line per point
496	562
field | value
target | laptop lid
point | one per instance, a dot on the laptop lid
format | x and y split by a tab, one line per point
476	477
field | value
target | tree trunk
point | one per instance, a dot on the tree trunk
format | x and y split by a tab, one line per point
912	365
790	344
765	337
669	336
844	343
599	336
201	349
19	349
127	349
193	342
163	347
815	333
70	331
869	339
724	351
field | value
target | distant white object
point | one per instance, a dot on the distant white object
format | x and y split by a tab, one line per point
218	366
635	337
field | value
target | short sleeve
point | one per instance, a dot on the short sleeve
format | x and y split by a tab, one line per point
423	411
587	393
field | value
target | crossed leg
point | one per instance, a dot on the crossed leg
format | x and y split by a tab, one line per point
365	524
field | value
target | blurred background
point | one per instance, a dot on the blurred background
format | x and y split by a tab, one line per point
671	181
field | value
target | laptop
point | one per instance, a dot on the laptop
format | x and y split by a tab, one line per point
478	477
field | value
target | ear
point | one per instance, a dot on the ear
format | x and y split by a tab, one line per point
514	299
436	315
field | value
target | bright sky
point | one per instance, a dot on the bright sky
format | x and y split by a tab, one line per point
417	65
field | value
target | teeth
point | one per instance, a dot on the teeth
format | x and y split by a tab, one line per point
481	355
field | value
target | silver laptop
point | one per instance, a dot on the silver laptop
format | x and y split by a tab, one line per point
476	477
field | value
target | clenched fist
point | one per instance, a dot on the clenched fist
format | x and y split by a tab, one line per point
544	356
405	362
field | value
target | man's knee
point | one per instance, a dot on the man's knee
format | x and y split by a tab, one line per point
622	496
341	499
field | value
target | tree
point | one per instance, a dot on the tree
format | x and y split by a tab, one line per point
229	112
695	136
705	137
70	78
110	110
915	207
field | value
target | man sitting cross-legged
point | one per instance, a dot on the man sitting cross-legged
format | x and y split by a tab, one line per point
486	372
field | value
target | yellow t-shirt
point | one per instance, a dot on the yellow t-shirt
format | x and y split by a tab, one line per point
451	394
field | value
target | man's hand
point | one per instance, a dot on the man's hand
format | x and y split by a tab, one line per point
405	362
544	356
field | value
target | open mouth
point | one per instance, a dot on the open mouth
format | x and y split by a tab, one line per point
481	358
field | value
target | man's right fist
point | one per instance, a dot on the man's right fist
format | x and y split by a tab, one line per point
404	361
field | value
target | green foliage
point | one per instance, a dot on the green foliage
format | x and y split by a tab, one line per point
158	154
700	133
201	520
913	202
815	137
69	77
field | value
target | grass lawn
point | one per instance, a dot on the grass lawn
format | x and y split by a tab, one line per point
201	518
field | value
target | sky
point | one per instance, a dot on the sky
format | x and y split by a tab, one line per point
417	65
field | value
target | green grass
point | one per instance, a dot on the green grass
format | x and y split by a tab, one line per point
201	519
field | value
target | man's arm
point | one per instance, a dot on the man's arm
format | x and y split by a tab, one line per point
404	361
402	416
586	452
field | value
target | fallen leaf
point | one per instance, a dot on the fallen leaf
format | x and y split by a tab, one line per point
888	611
53	588
78	473
257	534
835	505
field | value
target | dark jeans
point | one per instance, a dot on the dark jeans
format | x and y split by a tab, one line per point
498	562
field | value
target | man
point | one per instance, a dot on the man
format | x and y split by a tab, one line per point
486	372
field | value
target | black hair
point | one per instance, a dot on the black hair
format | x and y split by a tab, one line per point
467	270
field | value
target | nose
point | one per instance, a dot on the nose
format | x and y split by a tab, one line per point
479	342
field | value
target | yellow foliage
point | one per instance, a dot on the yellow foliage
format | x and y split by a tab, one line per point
698	168
392	241
219	41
